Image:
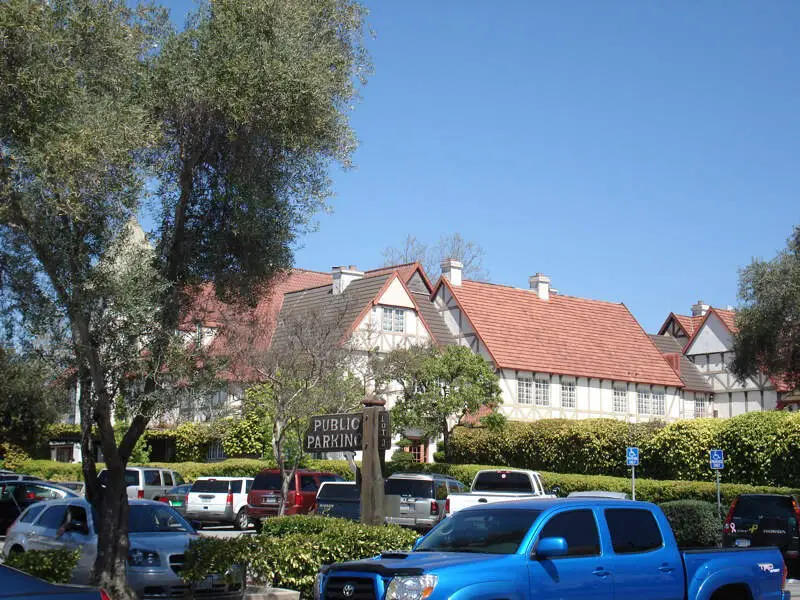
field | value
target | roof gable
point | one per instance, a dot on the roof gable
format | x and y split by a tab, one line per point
396	294
564	335
405	271
714	335
692	377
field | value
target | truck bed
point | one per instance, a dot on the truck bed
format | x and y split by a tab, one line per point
705	567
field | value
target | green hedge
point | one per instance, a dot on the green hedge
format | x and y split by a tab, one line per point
759	447
55	566
293	550
695	523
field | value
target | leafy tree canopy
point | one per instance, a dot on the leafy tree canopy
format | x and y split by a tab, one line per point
768	337
439	387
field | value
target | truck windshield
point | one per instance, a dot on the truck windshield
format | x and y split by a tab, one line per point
502	481
480	531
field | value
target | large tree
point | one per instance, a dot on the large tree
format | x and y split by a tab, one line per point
412	249
768	321
237	118
439	387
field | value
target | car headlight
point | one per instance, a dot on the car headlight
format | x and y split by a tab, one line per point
417	587
144	558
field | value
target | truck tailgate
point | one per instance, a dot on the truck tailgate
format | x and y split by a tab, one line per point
709	569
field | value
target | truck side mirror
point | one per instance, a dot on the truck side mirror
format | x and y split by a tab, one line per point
550	547
417	542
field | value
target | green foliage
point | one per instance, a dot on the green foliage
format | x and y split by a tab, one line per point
438	456
750	441
55	566
13	456
695	523
191	442
401	457
439	385
768	322
785	468
292	549
28	398
248	437
680	450
140	452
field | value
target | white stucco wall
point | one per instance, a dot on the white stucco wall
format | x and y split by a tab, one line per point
395	295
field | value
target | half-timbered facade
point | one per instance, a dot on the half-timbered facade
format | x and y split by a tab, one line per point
706	338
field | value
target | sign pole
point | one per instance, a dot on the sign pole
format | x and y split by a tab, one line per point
633	482
719	502
632	460
372	511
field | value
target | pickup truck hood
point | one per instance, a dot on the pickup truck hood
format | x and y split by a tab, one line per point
416	563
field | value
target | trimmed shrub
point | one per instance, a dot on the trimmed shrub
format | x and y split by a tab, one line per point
680	450
439	456
695	523
749	442
13	456
784	466
293	551
55	566
401	458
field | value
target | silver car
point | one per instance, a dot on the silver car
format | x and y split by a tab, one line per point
158	536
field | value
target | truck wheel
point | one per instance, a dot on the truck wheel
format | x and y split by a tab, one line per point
241	521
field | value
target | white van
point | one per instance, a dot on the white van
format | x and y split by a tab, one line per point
219	500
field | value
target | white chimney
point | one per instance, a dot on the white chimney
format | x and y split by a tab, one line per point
540	284
344	276
451	269
700	309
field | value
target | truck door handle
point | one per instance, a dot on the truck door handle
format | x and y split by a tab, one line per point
484	500
601	572
665	568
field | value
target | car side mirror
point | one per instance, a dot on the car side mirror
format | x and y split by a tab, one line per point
555	490
551	547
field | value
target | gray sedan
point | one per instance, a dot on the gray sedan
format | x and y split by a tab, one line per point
158	536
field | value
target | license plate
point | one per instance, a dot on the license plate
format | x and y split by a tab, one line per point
269	500
205	508
741	543
175	503
206	584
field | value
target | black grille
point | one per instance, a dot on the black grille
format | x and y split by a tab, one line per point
362	588
176	563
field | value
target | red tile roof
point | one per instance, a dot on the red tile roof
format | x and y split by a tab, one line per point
563	335
689	324
728	317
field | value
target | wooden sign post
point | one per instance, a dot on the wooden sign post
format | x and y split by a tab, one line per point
368	431
372	510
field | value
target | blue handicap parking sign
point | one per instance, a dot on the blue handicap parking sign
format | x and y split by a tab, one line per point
632	456
717	459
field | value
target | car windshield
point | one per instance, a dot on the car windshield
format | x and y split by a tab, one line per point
145	518
502	481
480	531
415	488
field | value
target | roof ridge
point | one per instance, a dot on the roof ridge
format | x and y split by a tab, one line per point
408	264
558	295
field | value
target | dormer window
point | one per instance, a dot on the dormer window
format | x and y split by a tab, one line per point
393	320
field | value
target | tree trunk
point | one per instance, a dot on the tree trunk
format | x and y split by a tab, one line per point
446	440
112	539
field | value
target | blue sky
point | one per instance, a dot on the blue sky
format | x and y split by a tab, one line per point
635	151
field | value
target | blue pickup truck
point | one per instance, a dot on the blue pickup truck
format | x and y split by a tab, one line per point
564	548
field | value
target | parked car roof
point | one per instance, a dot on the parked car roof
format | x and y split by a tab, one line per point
598	494
224	478
420	476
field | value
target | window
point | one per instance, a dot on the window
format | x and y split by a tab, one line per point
215	451
53	517
524	391
167	478
643	403
393	320
30	515
64	454
307	483
482	531
210	486
620	400
503	481
568	394
178	479
541	392
418	450
441	490
633	530
700	406
659	405
236	486
152	477
578	527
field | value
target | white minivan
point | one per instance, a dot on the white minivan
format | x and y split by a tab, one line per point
219	500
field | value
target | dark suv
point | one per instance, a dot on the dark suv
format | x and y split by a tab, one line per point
264	498
764	520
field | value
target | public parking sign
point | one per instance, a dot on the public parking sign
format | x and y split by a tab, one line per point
717	459
632	456
343	432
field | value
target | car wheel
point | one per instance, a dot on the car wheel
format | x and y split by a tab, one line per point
241	521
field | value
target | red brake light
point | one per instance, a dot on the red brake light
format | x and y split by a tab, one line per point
447	506
729	518
298	498
229	499
140	494
435	507
30	496
186	500
104	595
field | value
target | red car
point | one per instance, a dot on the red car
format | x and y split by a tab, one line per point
264	498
